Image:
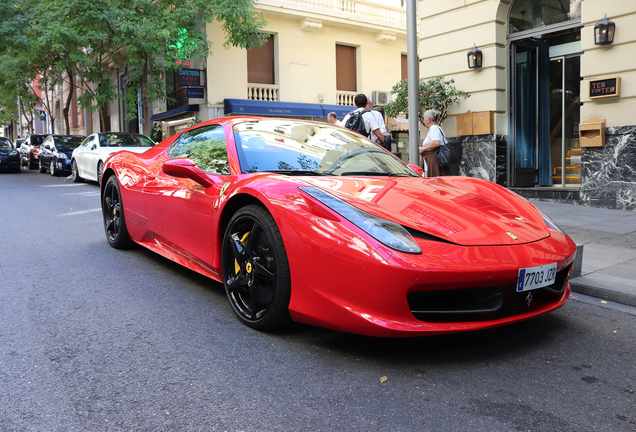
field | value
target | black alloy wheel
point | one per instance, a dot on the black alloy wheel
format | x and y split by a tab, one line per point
74	173
113	213
100	171
256	270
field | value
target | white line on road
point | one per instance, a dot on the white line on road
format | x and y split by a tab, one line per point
82	193
80	212
63	185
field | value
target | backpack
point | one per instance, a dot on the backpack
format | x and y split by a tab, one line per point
356	123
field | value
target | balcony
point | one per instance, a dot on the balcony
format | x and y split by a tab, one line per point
262	92
363	13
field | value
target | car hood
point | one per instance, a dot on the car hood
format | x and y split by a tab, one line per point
461	210
7	152
66	150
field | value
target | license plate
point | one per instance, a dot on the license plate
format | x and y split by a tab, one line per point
536	277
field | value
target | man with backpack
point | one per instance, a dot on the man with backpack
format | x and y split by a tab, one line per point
362	121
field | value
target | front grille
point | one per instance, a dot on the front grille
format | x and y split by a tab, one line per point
482	303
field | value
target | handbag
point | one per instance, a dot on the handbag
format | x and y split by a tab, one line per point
443	153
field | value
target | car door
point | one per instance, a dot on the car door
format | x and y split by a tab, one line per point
79	155
46	149
181	210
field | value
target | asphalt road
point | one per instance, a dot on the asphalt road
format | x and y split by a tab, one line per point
96	339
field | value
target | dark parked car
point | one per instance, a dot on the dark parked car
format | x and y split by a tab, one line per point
56	151
30	150
9	157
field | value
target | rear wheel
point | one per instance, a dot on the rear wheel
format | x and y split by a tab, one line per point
32	165
100	170
113	213
255	269
42	167
74	174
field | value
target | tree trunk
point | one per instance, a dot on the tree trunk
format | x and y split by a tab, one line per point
144	100
69	98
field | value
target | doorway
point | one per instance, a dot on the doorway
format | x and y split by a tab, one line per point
544	99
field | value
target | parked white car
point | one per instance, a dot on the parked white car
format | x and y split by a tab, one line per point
87	161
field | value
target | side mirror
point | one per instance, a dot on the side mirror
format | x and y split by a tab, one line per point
417	169
185	168
93	146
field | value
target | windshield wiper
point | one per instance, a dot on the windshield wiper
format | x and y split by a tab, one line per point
296	172
374	174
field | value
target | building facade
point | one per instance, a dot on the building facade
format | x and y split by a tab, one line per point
319	55
556	104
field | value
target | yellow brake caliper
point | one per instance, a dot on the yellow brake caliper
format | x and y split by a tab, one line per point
237	267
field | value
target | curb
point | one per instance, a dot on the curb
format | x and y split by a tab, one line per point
603	293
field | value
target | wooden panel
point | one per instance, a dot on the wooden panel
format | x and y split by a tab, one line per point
465	124
346	68
483	123
260	63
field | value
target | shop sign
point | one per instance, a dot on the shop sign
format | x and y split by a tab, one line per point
194	92
189	77
606	87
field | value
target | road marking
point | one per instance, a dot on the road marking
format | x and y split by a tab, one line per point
63	185
82	193
81	212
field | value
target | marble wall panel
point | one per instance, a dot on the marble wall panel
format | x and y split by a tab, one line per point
479	155
608	174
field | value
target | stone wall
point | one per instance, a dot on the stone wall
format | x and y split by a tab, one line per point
608	174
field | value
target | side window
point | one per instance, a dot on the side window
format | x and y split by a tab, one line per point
206	147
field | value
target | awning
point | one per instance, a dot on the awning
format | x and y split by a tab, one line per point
275	108
174	112
397	124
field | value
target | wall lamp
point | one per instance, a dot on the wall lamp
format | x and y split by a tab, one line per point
474	58
604	32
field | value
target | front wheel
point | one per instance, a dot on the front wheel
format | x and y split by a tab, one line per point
74	173
256	270
52	168
113	213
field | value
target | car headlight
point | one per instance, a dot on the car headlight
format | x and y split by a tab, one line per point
549	222
386	232
61	156
13	153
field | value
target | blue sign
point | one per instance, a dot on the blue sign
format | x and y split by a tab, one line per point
189	77
194	92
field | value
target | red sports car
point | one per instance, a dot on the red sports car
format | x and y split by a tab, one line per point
313	223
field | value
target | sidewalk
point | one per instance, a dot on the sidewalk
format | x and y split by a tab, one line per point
608	269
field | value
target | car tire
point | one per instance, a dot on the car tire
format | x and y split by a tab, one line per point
100	170
256	270
42	167
113	215
52	169
32	165
74	173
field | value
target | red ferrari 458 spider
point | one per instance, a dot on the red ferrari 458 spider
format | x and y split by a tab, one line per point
313	223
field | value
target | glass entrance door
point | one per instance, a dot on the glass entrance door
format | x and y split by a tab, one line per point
524	115
565	149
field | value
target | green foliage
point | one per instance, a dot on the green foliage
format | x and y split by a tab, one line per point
436	93
91	39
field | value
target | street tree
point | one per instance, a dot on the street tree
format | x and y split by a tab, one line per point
437	93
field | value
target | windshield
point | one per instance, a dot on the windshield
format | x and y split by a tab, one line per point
69	141
37	139
303	148
5	144
124	140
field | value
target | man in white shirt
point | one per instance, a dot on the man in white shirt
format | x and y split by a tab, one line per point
371	126
379	120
